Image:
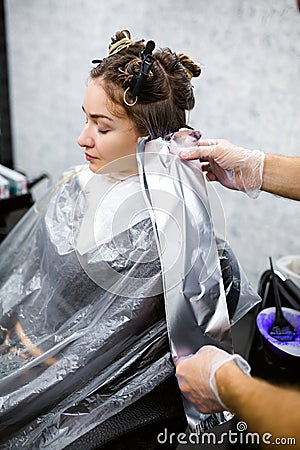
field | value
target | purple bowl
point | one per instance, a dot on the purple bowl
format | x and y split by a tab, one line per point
265	319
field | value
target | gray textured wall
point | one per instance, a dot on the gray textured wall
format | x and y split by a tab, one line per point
249	91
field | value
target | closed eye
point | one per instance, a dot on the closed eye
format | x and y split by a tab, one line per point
103	131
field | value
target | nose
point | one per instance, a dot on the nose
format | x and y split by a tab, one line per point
85	139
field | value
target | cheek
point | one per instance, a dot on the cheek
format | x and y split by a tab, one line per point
126	146
114	146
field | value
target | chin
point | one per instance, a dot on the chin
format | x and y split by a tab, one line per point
93	169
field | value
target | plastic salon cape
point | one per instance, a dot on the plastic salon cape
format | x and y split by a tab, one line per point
87	280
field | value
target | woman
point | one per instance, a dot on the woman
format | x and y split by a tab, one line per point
82	318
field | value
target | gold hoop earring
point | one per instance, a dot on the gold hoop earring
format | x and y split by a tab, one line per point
126	102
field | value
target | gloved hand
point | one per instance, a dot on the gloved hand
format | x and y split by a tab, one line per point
233	166
196	376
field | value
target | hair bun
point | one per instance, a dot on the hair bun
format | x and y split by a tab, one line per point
121	40
192	69
120	35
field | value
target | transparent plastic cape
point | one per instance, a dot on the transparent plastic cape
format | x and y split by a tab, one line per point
74	330
83	296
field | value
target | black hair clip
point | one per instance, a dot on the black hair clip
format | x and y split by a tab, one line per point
147	62
97	61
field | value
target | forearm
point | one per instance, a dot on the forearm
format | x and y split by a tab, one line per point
264	407
281	176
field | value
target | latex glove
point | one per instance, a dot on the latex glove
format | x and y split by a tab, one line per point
196	376
234	167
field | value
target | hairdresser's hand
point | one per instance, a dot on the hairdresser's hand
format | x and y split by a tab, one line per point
233	166
196	376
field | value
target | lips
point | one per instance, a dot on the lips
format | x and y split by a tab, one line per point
89	157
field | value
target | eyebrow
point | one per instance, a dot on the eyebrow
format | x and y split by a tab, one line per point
96	116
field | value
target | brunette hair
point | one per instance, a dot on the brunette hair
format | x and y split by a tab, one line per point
165	96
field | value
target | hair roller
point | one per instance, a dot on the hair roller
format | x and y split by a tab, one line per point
192	69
